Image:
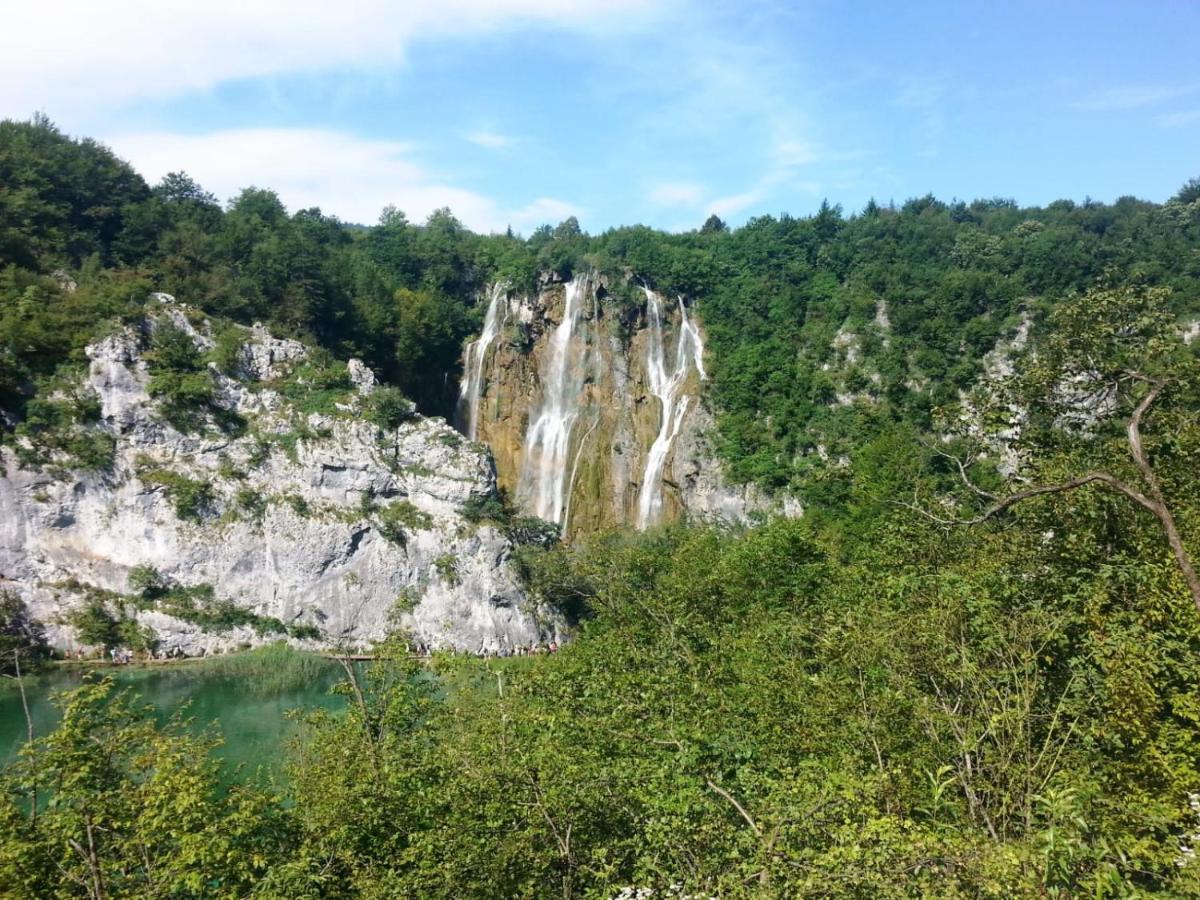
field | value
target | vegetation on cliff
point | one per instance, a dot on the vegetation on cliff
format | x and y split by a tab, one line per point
971	670
824	331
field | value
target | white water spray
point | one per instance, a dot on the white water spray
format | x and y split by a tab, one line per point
544	485
470	393
689	352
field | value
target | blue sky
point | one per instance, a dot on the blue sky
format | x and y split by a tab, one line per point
656	111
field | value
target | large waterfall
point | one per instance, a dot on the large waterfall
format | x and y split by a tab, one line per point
470	393
543	487
589	404
673	404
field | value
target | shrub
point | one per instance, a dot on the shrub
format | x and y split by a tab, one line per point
226	353
447	567
389	408
94	624
530	530
21	637
252	503
395	519
191	498
317	384
179	379
486	508
298	504
147	582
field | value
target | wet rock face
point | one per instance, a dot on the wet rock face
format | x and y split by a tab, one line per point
593	409
322	523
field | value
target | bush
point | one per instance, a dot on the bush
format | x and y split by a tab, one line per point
486	508
21	637
298	505
389	408
316	385
94	624
395	519
251	503
226	353
147	582
447	567
179	378
191	498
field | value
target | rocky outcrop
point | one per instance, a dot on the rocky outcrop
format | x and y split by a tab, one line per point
589	395
319	523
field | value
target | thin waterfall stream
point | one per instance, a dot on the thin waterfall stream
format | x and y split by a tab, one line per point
470	394
673	404
543	482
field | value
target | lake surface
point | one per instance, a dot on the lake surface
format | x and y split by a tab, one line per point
252	718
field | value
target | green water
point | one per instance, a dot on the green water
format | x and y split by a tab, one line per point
250	716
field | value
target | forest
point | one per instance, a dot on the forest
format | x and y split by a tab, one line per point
972	669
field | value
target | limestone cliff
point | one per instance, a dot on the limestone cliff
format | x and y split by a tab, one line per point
590	401
317	524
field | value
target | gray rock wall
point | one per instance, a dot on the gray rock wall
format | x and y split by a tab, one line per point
315	556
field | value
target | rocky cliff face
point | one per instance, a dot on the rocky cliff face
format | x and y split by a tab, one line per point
319	524
591	407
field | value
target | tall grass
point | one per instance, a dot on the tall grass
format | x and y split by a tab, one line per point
273	668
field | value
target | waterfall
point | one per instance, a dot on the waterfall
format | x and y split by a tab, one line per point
544	484
470	393
689	352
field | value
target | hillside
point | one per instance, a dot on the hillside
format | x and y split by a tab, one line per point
963	662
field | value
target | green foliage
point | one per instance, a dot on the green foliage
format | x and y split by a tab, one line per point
192	499
486	508
446	566
251	503
147	582
144	800
271	669
298	505
389	408
199	605
182	382
396	519
94	624
316	385
226	353
22	638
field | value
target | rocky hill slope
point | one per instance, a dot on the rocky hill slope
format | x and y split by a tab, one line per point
282	503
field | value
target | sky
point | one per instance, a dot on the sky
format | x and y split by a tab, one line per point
523	112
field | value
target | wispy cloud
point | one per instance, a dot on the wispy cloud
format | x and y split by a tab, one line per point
1134	97
725	93
1180	119
491	140
676	193
122	51
345	175
926	98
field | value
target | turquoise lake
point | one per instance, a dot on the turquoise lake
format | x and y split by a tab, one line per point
251	718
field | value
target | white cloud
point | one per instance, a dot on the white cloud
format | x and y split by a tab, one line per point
543	211
1180	119
347	176
736	203
1133	97
74	55
676	193
491	140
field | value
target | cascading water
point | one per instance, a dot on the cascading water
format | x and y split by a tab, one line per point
689	352
543	485
470	393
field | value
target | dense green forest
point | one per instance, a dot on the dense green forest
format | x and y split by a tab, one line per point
949	279
949	679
